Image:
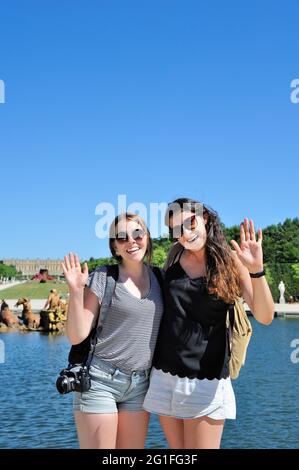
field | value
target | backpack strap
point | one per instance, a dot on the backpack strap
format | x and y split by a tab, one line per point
157	272
111	279
112	276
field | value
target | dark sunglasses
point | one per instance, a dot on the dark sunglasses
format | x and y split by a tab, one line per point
123	237
178	231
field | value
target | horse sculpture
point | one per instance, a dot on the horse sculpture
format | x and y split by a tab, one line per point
30	319
6	315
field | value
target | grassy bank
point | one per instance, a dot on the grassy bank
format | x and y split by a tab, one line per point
33	290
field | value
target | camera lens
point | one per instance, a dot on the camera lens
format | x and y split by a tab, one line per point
64	384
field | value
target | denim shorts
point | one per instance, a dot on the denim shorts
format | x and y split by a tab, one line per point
112	390
184	398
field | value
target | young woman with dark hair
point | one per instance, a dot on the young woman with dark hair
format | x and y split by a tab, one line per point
190	388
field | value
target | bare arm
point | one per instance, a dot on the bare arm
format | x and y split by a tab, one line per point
256	294
249	259
83	312
84	305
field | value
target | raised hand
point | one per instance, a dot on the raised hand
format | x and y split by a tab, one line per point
73	274
250	251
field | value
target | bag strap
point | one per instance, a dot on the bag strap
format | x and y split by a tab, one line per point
231	314
230	325
174	255
178	257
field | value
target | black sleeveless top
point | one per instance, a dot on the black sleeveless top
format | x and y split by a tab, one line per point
193	339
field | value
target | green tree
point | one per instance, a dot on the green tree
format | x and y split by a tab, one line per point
7	271
93	263
269	276
232	233
159	256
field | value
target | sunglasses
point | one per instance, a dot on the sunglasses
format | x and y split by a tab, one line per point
178	231
123	237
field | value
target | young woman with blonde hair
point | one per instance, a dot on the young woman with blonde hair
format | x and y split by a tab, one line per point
110	415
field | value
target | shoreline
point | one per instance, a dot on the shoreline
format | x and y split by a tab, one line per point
281	310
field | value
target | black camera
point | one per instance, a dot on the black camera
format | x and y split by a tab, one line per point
73	379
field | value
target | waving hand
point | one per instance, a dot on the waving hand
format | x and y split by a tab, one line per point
250	251
73	274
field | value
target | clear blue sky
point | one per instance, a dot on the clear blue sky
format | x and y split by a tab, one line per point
153	99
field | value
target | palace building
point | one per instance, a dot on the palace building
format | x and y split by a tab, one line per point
32	266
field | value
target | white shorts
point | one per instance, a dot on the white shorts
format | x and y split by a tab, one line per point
184	398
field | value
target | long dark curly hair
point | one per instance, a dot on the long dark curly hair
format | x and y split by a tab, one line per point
222	273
